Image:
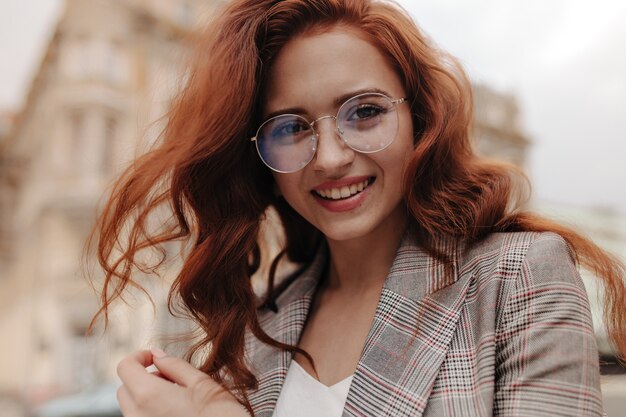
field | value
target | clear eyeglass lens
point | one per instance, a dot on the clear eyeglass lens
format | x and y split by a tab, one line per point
367	123
286	143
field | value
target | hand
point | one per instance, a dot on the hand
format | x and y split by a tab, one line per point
178	389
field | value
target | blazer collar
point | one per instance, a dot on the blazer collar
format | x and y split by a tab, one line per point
413	325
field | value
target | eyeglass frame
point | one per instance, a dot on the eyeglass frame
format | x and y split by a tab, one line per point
316	134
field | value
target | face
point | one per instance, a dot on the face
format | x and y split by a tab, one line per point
343	193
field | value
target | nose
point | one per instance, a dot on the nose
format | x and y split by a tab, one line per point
333	156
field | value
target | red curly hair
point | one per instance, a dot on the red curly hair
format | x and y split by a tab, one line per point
208	175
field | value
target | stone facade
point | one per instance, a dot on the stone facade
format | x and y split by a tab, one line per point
109	71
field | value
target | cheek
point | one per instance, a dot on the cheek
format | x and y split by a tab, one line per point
395	162
285	185
406	145
406	134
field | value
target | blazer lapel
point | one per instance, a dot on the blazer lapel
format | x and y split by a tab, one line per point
410	334
412	328
271	364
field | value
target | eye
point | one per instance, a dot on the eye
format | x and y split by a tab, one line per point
366	111
289	129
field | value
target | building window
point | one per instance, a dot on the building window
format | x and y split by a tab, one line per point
77	134
75	57
86	57
115	63
185	13
109	144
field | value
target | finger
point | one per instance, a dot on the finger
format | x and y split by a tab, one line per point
125	400
160	375
177	370
134	366
140	383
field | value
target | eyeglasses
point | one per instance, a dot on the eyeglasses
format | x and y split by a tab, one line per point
367	123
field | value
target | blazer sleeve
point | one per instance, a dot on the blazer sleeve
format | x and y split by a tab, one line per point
547	358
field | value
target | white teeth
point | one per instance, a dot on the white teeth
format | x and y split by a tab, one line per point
343	192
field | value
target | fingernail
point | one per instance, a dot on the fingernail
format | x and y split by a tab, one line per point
157	352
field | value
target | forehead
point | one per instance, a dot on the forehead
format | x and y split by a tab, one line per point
312	70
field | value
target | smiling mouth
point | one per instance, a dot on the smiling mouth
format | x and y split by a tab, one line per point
345	192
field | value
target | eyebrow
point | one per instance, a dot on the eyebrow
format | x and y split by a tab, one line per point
338	101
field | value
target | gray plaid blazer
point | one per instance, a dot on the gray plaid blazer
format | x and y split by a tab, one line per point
508	334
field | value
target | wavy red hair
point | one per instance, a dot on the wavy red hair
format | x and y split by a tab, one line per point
207	174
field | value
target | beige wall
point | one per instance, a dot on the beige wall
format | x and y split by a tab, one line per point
98	87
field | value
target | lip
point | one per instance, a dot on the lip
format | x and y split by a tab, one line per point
346	204
341	183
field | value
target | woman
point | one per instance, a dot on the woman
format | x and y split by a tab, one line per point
423	289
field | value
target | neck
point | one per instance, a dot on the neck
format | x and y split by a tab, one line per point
362	264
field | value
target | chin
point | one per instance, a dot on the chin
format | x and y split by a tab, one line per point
345	232
342	237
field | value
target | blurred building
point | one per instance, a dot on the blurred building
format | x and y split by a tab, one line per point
109	71
7	185
498	128
11	401
7	120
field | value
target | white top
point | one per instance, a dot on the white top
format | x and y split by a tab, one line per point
304	396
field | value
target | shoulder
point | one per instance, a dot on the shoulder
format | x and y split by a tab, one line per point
523	261
515	271
507	254
531	279
518	242
527	303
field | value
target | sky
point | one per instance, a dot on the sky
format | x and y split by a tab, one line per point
564	61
